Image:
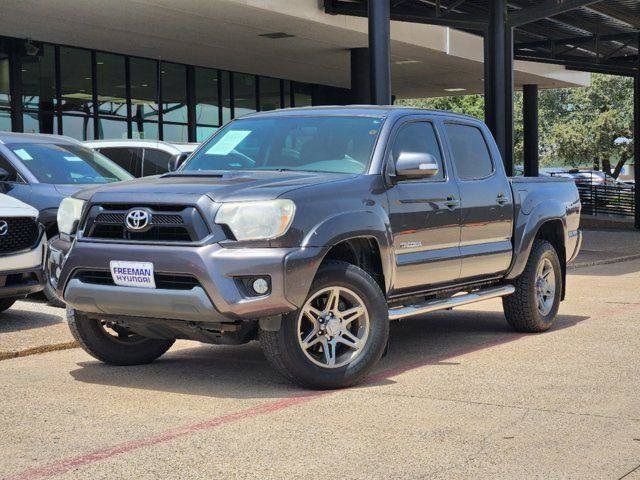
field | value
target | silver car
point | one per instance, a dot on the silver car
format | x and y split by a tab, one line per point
142	158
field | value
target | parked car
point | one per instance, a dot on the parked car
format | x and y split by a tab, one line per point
142	158
590	177
41	170
22	246
309	229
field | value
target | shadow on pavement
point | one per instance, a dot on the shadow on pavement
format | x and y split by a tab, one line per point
243	372
16	319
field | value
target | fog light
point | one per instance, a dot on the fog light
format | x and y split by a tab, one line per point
260	286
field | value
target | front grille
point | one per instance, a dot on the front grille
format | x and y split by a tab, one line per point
22	233
169	223
19	279
158	219
163	280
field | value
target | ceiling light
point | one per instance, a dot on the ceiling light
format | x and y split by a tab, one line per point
144	85
275	35
455	89
407	62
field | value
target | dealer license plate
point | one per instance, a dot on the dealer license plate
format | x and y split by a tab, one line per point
132	274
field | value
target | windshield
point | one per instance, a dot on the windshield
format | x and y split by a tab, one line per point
317	144
62	163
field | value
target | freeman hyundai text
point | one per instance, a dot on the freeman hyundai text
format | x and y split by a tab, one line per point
309	229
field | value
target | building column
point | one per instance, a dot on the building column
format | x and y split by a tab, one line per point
498	81
636	145
380	61
360	76
530	130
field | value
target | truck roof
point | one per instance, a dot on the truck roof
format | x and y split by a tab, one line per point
362	110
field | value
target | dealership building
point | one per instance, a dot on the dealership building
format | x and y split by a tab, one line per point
176	71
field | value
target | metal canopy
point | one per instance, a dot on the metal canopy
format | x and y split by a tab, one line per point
599	36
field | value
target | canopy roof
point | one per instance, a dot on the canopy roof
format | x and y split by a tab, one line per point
600	36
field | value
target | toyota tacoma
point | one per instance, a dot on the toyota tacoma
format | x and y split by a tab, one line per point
308	230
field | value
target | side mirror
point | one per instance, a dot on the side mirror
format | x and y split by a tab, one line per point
4	175
416	165
176	162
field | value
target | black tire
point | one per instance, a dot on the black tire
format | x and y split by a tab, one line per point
49	292
6	303
284	352
98	343
521	308
52	297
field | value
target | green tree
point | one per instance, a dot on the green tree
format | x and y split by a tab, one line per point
579	127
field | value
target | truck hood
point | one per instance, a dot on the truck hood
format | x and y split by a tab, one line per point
218	186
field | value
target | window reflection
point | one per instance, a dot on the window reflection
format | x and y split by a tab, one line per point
4	81
269	93
174	102
226	97
244	94
38	84
68	106
5	121
144	98
302	95
207	101
76	88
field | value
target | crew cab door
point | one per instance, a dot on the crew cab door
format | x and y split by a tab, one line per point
424	213
487	204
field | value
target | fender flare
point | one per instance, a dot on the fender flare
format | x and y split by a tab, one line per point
356	224
526	231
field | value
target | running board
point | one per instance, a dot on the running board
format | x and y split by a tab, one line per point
451	302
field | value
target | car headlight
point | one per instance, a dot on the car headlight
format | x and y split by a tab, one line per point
262	220
69	214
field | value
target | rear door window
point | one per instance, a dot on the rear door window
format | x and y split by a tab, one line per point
156	162
469	150
128	158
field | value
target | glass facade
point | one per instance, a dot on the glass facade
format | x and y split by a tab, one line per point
89	94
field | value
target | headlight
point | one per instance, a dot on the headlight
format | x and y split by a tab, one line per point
69	214
257	220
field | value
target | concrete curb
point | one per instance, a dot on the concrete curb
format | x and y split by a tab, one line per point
574	266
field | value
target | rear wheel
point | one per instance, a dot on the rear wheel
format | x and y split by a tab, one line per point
337	336
6	303
534	305
114	344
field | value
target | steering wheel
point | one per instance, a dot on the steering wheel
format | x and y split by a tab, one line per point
240	158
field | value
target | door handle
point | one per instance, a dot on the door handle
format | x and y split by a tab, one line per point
502	198
451	202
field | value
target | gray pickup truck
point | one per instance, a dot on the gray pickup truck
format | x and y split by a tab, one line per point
309	229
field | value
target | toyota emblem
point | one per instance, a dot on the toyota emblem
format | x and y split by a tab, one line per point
4	228
137	220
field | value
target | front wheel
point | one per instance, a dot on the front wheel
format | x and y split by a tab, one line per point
534	305
337	336
113	344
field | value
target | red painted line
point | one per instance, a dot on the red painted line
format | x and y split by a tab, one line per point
63	466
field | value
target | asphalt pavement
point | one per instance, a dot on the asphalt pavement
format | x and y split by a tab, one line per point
458	396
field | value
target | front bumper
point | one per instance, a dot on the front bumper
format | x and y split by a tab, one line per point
21	273
219	297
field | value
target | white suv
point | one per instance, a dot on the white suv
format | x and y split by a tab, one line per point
22	245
